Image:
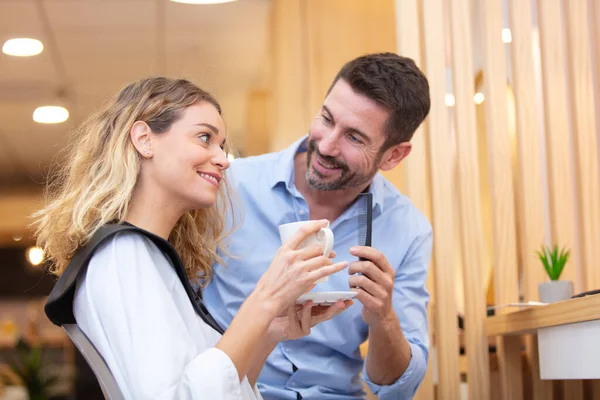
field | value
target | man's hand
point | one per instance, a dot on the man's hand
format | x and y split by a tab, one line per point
375	286
389	351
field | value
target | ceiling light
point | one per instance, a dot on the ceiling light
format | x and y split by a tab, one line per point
450	101
35	255
506	35
202	1
22	47
17	238
50	115
478	98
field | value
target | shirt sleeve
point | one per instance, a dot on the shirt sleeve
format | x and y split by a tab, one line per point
126	306
410	304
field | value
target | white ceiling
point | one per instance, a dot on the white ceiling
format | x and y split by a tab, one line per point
93	47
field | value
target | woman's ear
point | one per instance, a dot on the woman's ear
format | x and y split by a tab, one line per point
394	155
140	134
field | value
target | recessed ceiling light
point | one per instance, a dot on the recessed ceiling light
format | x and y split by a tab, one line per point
203	1
506	35
478	98
35	255
22	47
450	100
50	115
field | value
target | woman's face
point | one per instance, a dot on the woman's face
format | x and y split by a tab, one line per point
188	160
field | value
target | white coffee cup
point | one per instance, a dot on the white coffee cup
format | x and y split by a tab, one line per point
323	237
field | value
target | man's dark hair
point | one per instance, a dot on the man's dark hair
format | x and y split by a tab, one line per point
396	83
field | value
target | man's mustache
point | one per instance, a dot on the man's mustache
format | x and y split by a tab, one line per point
312	148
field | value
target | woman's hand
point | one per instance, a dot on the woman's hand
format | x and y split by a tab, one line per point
294	272
293	323
299	319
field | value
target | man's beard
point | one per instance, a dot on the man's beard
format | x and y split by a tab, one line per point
347	178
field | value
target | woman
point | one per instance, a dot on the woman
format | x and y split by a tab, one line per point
154	158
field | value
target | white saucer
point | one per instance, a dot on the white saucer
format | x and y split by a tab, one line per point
325	298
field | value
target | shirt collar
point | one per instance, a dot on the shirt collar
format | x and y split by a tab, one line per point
377	188
284	172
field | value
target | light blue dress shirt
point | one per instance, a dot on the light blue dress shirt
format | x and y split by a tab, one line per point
327	363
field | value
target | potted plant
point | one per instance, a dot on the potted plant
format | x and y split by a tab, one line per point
28	370
554	261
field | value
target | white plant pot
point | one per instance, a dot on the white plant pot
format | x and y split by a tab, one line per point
553	291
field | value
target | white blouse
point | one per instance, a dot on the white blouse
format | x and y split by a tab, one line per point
134	309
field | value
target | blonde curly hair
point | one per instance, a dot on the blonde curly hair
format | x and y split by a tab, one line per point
95	184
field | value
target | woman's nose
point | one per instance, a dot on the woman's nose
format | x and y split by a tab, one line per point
220	159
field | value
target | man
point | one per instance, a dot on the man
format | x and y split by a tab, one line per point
371	111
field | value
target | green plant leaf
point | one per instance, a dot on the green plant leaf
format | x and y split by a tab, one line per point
23	349
554	260
28	366
34	361
558	269
564	255
554	257
544	259
562	260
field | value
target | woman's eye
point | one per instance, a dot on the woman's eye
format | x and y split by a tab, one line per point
205	137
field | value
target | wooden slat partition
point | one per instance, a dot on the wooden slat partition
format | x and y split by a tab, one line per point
560	172
554	78
416	169
541	389
530	210
290	96
408	39
592	389
584	125
530	190
501	185
339	30
442	206
596	36
503	210
258	122
469	203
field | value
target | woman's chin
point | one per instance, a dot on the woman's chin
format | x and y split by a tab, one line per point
204	202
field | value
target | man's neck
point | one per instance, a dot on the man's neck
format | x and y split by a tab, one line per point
322	204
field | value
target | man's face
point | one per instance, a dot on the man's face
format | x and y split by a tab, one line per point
345	140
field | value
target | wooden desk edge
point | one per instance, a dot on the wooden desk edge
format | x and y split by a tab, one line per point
528	320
